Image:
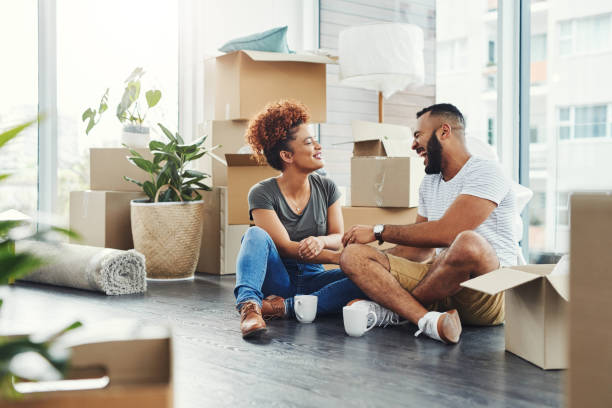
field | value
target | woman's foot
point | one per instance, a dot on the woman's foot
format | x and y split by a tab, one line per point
273	307
251	321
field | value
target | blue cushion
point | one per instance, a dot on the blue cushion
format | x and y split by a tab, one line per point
274	40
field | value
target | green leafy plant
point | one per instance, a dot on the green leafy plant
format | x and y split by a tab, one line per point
14	266
168	169
130	108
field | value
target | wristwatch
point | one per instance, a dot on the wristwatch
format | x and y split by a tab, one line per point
378	230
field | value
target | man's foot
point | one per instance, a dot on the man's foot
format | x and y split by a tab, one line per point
384	316
273	307
445	327
251	322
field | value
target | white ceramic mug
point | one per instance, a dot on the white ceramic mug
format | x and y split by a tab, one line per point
305	307
356	320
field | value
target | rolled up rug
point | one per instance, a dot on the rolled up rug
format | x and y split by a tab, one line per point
110	271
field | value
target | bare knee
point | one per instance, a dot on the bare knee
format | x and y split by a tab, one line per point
471	249
351	257
356	259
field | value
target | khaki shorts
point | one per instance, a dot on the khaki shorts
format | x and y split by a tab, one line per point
474	307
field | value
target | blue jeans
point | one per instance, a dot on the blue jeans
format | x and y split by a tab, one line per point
260	272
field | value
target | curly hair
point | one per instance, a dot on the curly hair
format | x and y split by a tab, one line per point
271	130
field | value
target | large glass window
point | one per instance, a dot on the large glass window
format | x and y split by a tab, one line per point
98	45
573	144
466	63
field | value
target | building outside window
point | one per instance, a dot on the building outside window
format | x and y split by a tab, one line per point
585	34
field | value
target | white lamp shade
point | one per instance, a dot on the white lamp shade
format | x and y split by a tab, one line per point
386	57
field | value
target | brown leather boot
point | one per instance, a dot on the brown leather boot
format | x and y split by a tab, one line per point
251	322
273	307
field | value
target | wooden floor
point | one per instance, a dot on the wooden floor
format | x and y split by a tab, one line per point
304	365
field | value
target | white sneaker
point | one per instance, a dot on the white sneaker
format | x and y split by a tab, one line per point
384	316
445	327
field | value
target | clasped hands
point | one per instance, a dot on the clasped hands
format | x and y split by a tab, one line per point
310	247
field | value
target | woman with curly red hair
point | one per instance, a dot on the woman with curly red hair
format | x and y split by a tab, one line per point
298	225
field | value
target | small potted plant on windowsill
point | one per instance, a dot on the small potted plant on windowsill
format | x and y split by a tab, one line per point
167	227
129	111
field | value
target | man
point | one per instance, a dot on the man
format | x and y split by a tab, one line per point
463	229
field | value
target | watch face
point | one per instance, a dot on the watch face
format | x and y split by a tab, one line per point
378	229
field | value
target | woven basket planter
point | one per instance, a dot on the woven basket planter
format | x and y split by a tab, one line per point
169	235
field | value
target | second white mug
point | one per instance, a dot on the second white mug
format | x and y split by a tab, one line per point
305	307
356	320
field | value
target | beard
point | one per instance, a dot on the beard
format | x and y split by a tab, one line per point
434	155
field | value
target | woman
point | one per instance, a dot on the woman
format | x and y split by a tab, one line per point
298	225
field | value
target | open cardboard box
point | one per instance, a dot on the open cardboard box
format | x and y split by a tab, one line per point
108	165
119	364
385	172
220	241
245	81
537	305
102	218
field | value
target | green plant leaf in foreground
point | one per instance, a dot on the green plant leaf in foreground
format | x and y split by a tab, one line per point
11	133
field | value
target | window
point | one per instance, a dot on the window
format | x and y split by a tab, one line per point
491	53
19	104
585	35
490	131
538	48
91	58
578	112
582	122
590	122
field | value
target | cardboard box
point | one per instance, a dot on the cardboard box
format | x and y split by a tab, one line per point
137	366
243	172
537	305
229	135
245	81
220	241
590	337
385	172
107	166
102	218
385	181
381	139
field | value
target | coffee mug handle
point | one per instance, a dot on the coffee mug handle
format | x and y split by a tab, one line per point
297	314
375	320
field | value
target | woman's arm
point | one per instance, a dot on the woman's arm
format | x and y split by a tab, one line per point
335	227
268	220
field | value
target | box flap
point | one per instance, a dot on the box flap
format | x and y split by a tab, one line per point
561	285
499	280
282	57
237	159
396	139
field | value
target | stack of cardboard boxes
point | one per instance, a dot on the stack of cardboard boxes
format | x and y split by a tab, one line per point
237	86
101	215
385	176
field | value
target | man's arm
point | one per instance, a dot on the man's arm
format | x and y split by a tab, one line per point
467	212
410	252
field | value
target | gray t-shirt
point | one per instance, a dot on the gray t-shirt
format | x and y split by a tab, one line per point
312	221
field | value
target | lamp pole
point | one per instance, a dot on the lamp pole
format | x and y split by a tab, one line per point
380	107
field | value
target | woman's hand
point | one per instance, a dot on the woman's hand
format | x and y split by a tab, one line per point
310	247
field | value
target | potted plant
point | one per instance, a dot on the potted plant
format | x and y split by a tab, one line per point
131	111
167	227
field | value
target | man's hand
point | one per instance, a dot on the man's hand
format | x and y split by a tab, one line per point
359	234
310	247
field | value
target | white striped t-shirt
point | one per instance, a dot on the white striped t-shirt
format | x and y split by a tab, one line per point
481	178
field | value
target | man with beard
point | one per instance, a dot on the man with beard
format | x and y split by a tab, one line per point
464	229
